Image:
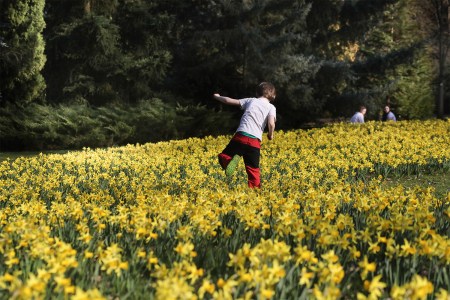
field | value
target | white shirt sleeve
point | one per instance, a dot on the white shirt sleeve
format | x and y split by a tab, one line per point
245	102
273	112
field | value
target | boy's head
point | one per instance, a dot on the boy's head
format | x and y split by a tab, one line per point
267	90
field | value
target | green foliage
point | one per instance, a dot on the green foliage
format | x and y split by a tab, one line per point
336	23
235	45
392	67
114	52
22	55
74	126
413	94
110	61
434	19
144	35
339	28
89	54
301	46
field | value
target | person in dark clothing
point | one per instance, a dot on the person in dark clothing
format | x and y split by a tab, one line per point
388	115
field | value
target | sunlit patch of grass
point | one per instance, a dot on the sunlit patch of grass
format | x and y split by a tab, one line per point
439	181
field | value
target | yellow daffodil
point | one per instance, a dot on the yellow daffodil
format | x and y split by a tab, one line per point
167	212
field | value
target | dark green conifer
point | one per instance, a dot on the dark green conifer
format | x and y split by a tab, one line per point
339	30
21	51
231	46
105	51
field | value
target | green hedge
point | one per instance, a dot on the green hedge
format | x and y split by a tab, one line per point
74	126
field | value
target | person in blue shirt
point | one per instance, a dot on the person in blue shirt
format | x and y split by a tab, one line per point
388	115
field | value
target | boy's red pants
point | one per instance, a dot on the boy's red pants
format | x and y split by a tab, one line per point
249	148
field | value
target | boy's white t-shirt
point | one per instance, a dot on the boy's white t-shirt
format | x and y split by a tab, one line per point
254	119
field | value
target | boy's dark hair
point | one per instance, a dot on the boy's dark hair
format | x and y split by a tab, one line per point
362	107
267	90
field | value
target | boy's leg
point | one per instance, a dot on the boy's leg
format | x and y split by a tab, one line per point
254	180
228	153
251	160
224	160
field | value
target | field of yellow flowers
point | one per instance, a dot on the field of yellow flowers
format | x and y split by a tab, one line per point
161	221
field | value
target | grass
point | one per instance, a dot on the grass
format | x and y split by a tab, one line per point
440	181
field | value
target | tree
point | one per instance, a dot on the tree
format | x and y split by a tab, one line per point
413	88
83	52
339	30
22	51
105	51
434	18
394	66
231	46
412	93
144	35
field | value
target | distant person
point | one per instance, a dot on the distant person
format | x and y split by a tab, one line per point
358	117
388	115
246	142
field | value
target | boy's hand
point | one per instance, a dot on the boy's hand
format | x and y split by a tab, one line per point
217	97
270	136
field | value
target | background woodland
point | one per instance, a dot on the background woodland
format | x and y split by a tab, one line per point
98	73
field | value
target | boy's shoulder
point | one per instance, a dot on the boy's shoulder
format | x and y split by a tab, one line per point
246	100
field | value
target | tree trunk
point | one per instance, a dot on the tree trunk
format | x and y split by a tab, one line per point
87	7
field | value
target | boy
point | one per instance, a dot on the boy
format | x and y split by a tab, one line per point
246	142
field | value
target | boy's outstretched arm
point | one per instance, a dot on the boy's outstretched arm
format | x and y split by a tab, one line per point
271	125
227	100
